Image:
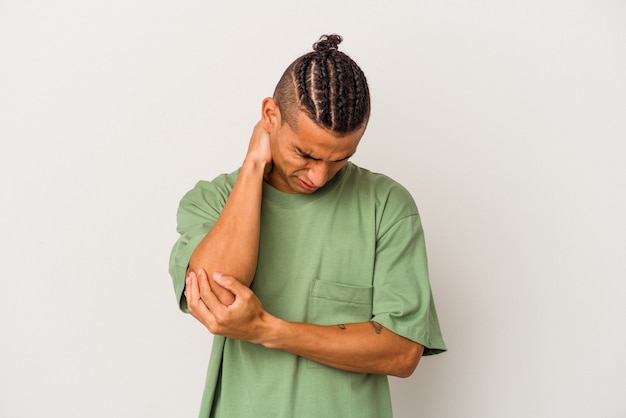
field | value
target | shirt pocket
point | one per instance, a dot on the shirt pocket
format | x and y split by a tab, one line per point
333	303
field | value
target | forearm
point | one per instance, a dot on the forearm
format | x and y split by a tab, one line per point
361	347
365	347
231	246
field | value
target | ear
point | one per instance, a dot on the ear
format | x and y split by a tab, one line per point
270	114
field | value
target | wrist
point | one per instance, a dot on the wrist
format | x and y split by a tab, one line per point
253	167
271	332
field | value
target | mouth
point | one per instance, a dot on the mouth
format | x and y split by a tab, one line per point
306	186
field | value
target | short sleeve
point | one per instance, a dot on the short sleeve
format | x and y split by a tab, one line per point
403	300
197	212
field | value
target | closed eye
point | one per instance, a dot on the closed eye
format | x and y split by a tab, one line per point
306	155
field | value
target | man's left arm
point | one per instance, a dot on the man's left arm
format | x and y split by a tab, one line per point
365	347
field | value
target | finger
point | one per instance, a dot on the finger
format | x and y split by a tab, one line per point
193	292
190	287
228	283
196	305
206	294
193	289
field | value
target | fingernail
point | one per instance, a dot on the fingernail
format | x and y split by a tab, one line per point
217	275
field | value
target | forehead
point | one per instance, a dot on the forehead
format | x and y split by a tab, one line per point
319	142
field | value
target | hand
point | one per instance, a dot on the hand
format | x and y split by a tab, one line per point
223	295
245	319
259	149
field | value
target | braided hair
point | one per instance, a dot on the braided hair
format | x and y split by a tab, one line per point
328	86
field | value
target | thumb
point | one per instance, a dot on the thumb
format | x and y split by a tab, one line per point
227	282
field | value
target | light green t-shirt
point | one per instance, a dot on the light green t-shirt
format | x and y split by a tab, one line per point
351	252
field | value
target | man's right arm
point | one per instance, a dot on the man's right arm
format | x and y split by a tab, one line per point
232	244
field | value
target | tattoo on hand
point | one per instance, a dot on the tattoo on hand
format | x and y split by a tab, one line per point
377	327
342	326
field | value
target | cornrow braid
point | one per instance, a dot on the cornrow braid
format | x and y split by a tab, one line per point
328	86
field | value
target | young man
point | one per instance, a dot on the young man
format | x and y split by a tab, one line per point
310	271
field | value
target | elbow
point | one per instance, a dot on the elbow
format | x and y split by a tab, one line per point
406	362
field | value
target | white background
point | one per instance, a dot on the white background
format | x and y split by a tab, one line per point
505	120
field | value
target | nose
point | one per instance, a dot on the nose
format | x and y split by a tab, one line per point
318	174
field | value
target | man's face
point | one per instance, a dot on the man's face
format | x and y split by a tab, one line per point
306	158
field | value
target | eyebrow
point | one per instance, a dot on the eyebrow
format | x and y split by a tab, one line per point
305	154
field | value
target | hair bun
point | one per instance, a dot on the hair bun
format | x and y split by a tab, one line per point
327	42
